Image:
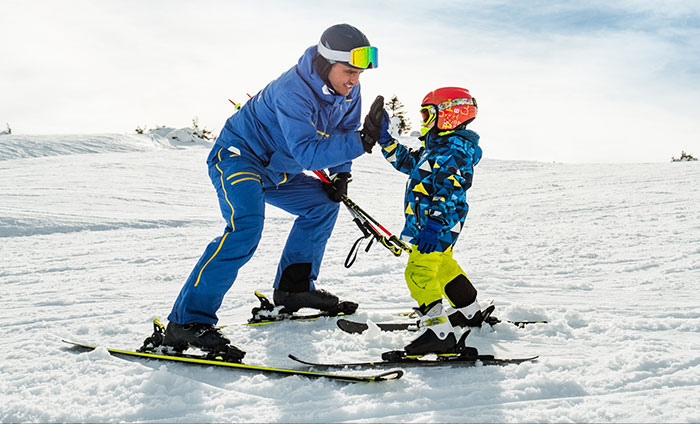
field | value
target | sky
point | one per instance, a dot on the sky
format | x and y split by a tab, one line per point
604	81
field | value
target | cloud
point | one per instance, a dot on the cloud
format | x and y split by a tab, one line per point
582	83
555	81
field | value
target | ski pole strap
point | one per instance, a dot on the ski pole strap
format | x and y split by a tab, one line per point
368	232
363	225
352	255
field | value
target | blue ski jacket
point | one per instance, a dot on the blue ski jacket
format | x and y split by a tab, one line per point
297	122
439	176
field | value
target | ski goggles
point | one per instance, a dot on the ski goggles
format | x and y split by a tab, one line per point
456	102
428	114
360	57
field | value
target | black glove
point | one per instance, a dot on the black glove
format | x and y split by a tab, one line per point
338	187
372	127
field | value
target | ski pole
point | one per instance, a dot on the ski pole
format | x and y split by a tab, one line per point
362	219
236	105
392	243
362	223
353	205
239	105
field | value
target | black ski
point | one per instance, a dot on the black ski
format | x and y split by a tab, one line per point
354	327
291	317
218	362
461	355
464	361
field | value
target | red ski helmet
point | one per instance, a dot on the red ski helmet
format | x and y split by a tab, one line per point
452	106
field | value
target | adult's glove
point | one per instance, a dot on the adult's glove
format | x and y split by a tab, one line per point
338	187
428	237
376	126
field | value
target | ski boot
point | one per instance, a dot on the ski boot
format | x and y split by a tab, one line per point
315	299
436	333
206	337
471	315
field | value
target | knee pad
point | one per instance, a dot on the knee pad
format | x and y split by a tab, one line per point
295	278
460	291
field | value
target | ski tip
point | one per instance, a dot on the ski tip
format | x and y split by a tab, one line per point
351	326
517	361
301	361
389	375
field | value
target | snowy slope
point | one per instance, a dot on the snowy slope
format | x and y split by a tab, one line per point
98	233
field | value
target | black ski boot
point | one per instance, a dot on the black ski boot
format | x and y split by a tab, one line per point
315	299
436	333
206	337
292	293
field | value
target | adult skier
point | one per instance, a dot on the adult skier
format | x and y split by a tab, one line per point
308	118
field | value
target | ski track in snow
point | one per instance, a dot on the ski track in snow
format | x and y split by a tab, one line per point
98	233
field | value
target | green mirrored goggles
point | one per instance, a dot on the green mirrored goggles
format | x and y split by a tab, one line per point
360	57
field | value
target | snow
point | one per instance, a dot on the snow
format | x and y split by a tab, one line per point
98	233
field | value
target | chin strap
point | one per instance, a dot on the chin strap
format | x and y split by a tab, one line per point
367	224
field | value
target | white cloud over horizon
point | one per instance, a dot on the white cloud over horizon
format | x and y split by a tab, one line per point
602	82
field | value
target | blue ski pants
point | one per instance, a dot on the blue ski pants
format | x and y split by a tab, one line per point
243	190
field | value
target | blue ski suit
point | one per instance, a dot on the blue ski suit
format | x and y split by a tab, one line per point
295	123
439	176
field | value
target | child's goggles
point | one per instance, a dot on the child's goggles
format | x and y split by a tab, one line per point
428	114
360	57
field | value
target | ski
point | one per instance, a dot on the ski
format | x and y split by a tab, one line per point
461	355
459	360
354	327
218	362
291	317
267	313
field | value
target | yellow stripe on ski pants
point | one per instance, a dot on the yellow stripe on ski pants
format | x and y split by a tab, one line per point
427	274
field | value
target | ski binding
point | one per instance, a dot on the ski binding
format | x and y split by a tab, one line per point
268	313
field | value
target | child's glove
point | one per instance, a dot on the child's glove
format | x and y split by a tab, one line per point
428	237
376	126
338	187
384	134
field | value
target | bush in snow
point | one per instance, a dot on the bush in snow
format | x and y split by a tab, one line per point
187	135
396	108
202	132
685	157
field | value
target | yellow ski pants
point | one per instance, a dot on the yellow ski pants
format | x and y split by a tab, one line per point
428	274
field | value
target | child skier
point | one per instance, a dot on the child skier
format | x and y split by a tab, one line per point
435	207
